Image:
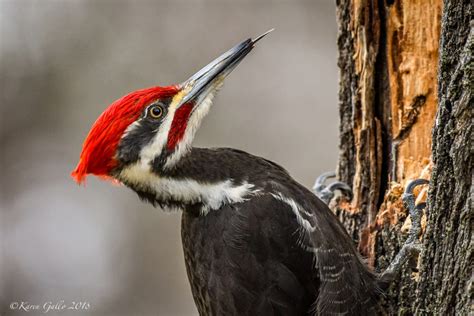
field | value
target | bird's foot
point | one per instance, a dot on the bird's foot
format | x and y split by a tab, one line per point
326	192
412	246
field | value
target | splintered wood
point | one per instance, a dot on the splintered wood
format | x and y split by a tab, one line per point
411	34
413	28
391	51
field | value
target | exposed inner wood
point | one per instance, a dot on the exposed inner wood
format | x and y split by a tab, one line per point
413	28
411	51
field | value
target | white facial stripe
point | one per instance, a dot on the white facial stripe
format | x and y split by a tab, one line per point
193	124
199	112
187	191
154	148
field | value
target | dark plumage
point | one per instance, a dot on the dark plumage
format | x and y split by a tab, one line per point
255	258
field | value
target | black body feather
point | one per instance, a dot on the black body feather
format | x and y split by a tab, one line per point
258	257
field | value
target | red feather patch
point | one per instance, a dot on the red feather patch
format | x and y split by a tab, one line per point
178	126
99	148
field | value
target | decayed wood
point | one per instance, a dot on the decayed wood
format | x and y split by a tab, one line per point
388	58
388	61
359	164
412	32
365	29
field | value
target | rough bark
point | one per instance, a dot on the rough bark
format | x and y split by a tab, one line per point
396	76
446	264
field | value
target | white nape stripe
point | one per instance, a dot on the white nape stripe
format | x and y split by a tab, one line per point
297	210
187	191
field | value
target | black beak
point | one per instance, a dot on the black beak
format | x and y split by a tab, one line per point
210	77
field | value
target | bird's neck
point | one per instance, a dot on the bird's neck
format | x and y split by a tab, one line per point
203	178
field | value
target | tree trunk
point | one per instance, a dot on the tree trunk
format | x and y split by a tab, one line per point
406	109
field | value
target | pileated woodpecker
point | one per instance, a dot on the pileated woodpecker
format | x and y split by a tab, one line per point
255	241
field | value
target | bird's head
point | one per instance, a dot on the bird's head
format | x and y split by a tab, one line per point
155	125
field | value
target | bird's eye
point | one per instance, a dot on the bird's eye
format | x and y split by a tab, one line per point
155	111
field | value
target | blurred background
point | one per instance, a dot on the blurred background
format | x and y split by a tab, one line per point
63	62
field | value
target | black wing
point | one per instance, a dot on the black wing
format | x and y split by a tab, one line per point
346	286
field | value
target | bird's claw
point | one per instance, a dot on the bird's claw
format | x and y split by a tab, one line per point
326	192
412	246
415	211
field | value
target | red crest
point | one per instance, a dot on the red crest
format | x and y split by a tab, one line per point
99	148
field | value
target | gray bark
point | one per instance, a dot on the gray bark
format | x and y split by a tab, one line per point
446	279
